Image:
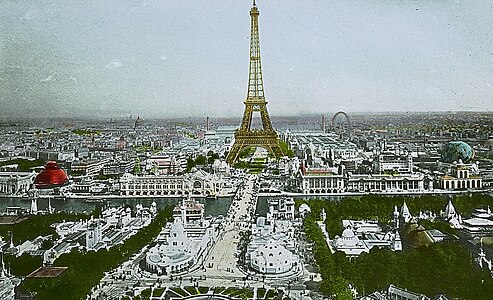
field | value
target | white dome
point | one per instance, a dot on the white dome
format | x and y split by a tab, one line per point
348	239
273	251
347	233
154	258
304	208
177	226
216	164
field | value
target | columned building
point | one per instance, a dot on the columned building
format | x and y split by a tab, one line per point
199	183
320	181
15	183
386	183
462	177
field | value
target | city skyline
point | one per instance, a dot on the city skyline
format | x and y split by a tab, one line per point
164	59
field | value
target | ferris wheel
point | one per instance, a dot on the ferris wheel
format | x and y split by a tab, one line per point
340	121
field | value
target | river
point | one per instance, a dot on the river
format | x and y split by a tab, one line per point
213	207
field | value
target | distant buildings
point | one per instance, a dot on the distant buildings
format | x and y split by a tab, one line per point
166	164
327	180
389	162
90	167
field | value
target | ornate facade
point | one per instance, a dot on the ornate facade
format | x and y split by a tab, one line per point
320	181
181	245
199	183
362	236
15	183
462	176
386	183
272	247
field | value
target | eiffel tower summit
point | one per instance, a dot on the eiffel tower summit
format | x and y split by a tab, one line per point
246	136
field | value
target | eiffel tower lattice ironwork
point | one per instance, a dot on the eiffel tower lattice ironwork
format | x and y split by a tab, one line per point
245	136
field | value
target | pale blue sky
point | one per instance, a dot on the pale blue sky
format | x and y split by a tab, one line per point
161	58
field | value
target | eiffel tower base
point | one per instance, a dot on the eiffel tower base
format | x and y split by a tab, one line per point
268	141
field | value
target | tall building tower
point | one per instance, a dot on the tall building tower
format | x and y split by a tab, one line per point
245	136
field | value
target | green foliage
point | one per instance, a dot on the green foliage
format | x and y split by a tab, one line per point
439	268
253	166
242	293
333	282
248	152
270	294
285	149
229	291
381	207
158	292
24	165
260	293
190	164
191	290
30	229
24	264
86	270
211	156
179	291
137	169
146	293
35	226
439	225
200	160
47	244
86	131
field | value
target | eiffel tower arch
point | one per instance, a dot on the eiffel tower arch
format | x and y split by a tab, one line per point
246	136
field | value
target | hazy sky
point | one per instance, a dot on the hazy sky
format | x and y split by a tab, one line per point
160	58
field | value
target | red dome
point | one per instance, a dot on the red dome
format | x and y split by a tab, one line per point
51	176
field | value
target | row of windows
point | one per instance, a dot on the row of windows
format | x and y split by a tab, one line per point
323	183
462	184
408	185
153	187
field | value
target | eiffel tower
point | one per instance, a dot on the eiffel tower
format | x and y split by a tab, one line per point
245	136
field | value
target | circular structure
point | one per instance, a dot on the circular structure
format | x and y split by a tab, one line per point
340	120
273	258
347	240
51	176
457	150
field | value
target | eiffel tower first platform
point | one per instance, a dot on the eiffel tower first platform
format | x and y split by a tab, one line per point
245	136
